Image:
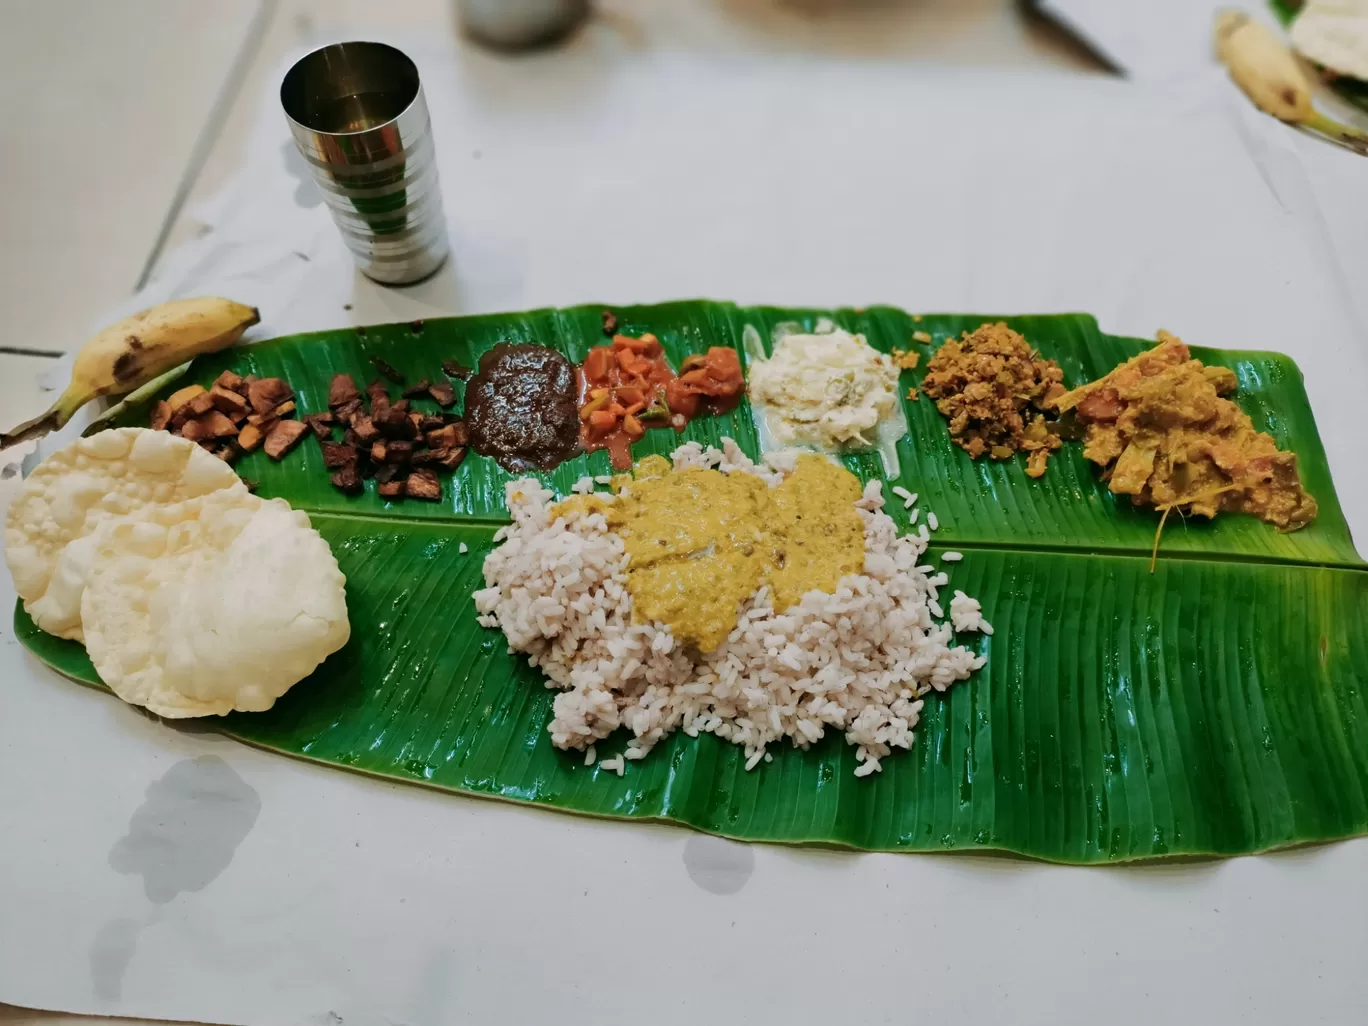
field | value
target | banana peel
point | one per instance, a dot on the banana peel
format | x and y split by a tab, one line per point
129	355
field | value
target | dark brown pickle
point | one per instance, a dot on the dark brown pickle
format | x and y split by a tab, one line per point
521	407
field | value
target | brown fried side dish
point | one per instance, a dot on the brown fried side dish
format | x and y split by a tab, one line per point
994	388
233	416
1159	426
402	448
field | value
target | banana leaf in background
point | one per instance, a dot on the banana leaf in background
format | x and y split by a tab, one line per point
1351	89
1216	706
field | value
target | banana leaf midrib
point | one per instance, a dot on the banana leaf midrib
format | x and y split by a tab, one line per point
936	541
408	518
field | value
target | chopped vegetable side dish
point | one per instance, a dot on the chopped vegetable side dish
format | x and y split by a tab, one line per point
627	387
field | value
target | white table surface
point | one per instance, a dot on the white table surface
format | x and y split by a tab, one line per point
959	34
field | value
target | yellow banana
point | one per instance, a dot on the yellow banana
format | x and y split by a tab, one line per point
139	348
1269	75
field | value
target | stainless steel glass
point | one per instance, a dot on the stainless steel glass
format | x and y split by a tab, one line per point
357	114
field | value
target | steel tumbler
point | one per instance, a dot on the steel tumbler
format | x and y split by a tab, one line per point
358	116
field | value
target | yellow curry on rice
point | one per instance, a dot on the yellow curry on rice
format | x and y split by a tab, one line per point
700	542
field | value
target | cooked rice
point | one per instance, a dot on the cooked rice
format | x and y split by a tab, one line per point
952	557
859	660
966	614
909	499
932	522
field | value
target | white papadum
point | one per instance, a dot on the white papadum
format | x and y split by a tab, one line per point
216	604
50	527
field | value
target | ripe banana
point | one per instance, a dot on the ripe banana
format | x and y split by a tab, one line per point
131	353
1269	75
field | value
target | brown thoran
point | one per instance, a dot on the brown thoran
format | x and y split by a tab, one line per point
993	388
1159	426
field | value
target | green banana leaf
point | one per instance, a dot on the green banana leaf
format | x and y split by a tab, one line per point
1216	706
1353	90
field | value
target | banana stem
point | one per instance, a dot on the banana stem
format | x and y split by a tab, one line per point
1327	126
136	398
60	412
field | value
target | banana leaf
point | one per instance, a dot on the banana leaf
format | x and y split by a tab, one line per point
1214	707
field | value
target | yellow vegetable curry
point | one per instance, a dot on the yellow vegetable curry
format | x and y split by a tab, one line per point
1160	426
701	542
